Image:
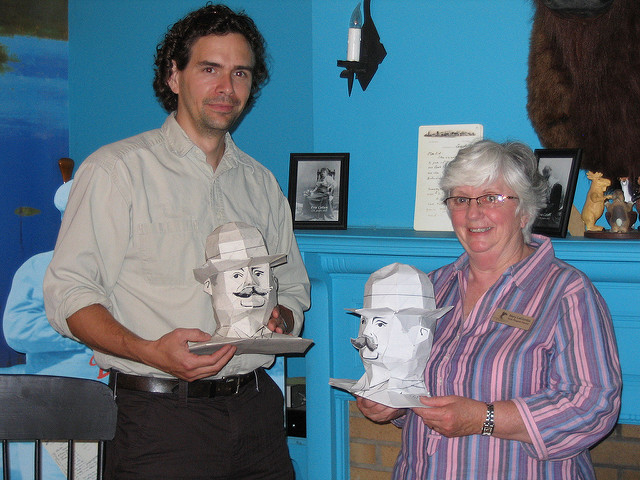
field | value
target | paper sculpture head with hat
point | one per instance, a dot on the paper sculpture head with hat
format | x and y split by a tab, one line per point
396	329
239	277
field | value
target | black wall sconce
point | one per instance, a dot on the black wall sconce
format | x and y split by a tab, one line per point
371	51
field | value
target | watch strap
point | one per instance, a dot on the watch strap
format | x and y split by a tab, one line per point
487	426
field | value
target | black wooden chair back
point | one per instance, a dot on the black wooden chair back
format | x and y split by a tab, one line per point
38	407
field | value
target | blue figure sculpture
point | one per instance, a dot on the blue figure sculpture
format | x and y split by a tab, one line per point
27	330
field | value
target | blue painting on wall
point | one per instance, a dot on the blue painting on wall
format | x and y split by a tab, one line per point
34	134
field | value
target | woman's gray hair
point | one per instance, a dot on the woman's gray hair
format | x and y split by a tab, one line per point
486	161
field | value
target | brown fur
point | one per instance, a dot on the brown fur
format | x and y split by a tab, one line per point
584	86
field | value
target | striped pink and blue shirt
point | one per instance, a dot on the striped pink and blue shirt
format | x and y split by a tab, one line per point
563	373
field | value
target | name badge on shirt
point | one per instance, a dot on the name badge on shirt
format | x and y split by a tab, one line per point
512	319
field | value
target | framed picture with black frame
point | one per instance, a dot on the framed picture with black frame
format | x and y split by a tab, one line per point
318	188
560	167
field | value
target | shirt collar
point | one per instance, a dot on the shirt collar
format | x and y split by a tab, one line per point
181	145
177	140
523	272
528	271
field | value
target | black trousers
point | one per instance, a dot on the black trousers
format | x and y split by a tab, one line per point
160	436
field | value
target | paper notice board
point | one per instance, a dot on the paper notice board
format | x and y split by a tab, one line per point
437	146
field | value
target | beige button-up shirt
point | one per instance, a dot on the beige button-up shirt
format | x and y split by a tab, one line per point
135	227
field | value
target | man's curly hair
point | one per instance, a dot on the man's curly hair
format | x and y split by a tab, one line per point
209	20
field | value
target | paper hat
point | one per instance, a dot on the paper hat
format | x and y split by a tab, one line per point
235	245
397	288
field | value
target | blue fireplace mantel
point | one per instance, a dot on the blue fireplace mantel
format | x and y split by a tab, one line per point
339	263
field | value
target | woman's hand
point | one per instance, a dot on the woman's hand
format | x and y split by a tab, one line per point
453	416
378	412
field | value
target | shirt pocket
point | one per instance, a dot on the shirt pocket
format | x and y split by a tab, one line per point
169	251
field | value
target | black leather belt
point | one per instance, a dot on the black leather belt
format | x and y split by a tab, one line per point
199	388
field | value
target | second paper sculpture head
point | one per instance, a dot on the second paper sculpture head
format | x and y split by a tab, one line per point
239	277
396	330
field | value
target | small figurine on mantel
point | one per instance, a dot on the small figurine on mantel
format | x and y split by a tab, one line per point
619	208
620	214
627	189
594	204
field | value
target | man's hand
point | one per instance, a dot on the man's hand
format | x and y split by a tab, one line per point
170	353
97	328
378	412
281	320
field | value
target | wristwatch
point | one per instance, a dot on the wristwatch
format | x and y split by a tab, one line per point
487	426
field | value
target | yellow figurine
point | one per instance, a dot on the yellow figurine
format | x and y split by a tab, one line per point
594	204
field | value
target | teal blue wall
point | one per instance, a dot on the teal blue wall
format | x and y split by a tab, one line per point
112	44
447	62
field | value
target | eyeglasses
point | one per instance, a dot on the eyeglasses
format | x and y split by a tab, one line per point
490	200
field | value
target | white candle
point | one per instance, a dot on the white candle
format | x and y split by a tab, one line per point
353	47
355	35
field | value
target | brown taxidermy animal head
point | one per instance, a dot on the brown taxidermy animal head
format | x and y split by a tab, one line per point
577	8
584	81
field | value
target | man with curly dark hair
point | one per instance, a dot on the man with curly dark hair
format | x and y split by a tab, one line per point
121	279
211	20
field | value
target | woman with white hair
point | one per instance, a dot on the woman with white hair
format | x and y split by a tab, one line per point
524	371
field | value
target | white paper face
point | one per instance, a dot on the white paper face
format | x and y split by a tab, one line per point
394	343
248	287
243	300
377	330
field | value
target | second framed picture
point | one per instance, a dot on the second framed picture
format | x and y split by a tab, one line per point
318	188
560	168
